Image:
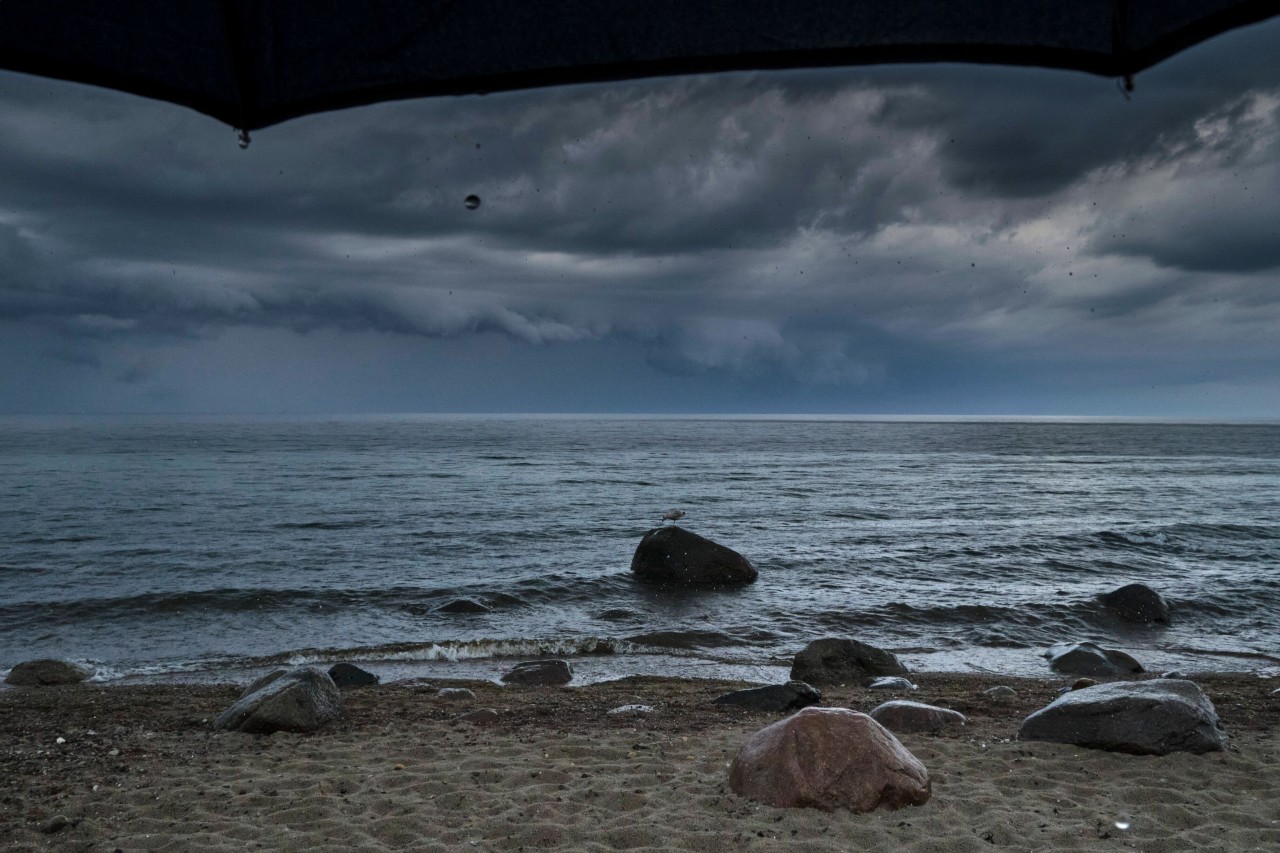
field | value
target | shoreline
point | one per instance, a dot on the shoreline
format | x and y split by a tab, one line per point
140	768
601	666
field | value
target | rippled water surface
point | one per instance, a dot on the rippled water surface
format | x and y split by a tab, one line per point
160	546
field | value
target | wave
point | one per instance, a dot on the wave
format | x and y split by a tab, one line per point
1183	536
228	600
454	650
349	524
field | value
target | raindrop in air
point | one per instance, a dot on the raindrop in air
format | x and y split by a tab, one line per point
471	202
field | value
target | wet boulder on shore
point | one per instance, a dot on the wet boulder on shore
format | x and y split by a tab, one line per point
47	672
672	556
1091	659
1144	718
791	696
349	675
833	660
300	700
540	673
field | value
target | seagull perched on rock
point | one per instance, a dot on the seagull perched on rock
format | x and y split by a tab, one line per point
673	515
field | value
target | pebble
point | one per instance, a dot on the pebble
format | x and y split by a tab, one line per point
482	717
57	823
1000	694
455	694
631	709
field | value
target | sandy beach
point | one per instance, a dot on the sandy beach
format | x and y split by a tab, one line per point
105	768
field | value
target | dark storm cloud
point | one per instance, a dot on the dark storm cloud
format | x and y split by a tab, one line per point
820	228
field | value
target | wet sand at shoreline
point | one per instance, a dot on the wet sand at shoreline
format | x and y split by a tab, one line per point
139	768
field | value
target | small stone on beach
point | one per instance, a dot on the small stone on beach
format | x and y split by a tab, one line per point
791	696
57	823
1001	694
481	717
902	716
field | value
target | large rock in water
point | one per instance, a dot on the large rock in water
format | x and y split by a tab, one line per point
836	661
300	700
672	556
1145	718
46	672
791	696
1136	603
1091	659
829	758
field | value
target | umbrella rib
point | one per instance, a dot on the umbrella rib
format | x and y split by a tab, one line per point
1120	41
238	53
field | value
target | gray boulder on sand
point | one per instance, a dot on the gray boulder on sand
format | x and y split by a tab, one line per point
829	758
836	661
672	556
1091	659
540	672
455	694
1136	603
791	696
1144	718
888	682
903	716
47	672
262	681
349	675
300	700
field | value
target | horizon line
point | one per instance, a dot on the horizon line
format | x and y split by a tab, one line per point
887	417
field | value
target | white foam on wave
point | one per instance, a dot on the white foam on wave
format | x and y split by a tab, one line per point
460	650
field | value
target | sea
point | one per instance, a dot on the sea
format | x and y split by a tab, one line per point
214	548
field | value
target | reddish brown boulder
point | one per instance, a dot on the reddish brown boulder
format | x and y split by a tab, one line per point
902	716
829	758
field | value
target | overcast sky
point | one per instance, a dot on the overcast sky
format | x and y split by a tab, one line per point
916	239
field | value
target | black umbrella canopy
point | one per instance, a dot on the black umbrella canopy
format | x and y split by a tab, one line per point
253	63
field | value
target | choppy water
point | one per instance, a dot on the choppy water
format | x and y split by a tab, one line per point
154	547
